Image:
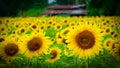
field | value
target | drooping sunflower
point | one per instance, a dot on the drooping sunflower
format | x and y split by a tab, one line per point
36	44
55	54
85	40
9	48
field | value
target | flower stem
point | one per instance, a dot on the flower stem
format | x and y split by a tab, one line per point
76	62
87	63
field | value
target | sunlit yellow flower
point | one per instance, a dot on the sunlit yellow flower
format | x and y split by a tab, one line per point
55	54
115	35
115	50
85	40
48	26
65	31
34	26
60	39
3	27
108	43
2	39
112	25
67	53
36	44
108	30
43	26
50	22
4	34
22	30
9	48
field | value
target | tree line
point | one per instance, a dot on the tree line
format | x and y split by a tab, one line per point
12	7
95	7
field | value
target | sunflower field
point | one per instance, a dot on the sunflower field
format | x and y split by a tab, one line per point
60	42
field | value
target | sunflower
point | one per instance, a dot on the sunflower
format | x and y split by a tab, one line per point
10	48
22	30
60	39
108	43
34	26
115	50
85	40
3	27
112	25
67	53
48	26
43	26
58	26
2	39
115	35
4	34
65	31
108	30
35	44
55	54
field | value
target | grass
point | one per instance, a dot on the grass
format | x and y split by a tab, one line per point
34	12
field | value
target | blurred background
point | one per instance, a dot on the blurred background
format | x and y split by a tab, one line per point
36	7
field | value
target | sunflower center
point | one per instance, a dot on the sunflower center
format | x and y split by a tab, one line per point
1	39
85	39
11	49
34	44
54	54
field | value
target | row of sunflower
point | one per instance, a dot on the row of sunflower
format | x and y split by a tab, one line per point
53	42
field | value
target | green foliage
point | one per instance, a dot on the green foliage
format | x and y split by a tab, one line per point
31	12
106	7
64	2
12	7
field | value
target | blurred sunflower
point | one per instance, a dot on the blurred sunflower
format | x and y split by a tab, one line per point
115	50
67	52
65	31
115	35
108	30
55	54
36	44
4	34
112	25
34	27
108	43
59	38
85	40
22	30
3	27
9	48
58	26
2	39
43	26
